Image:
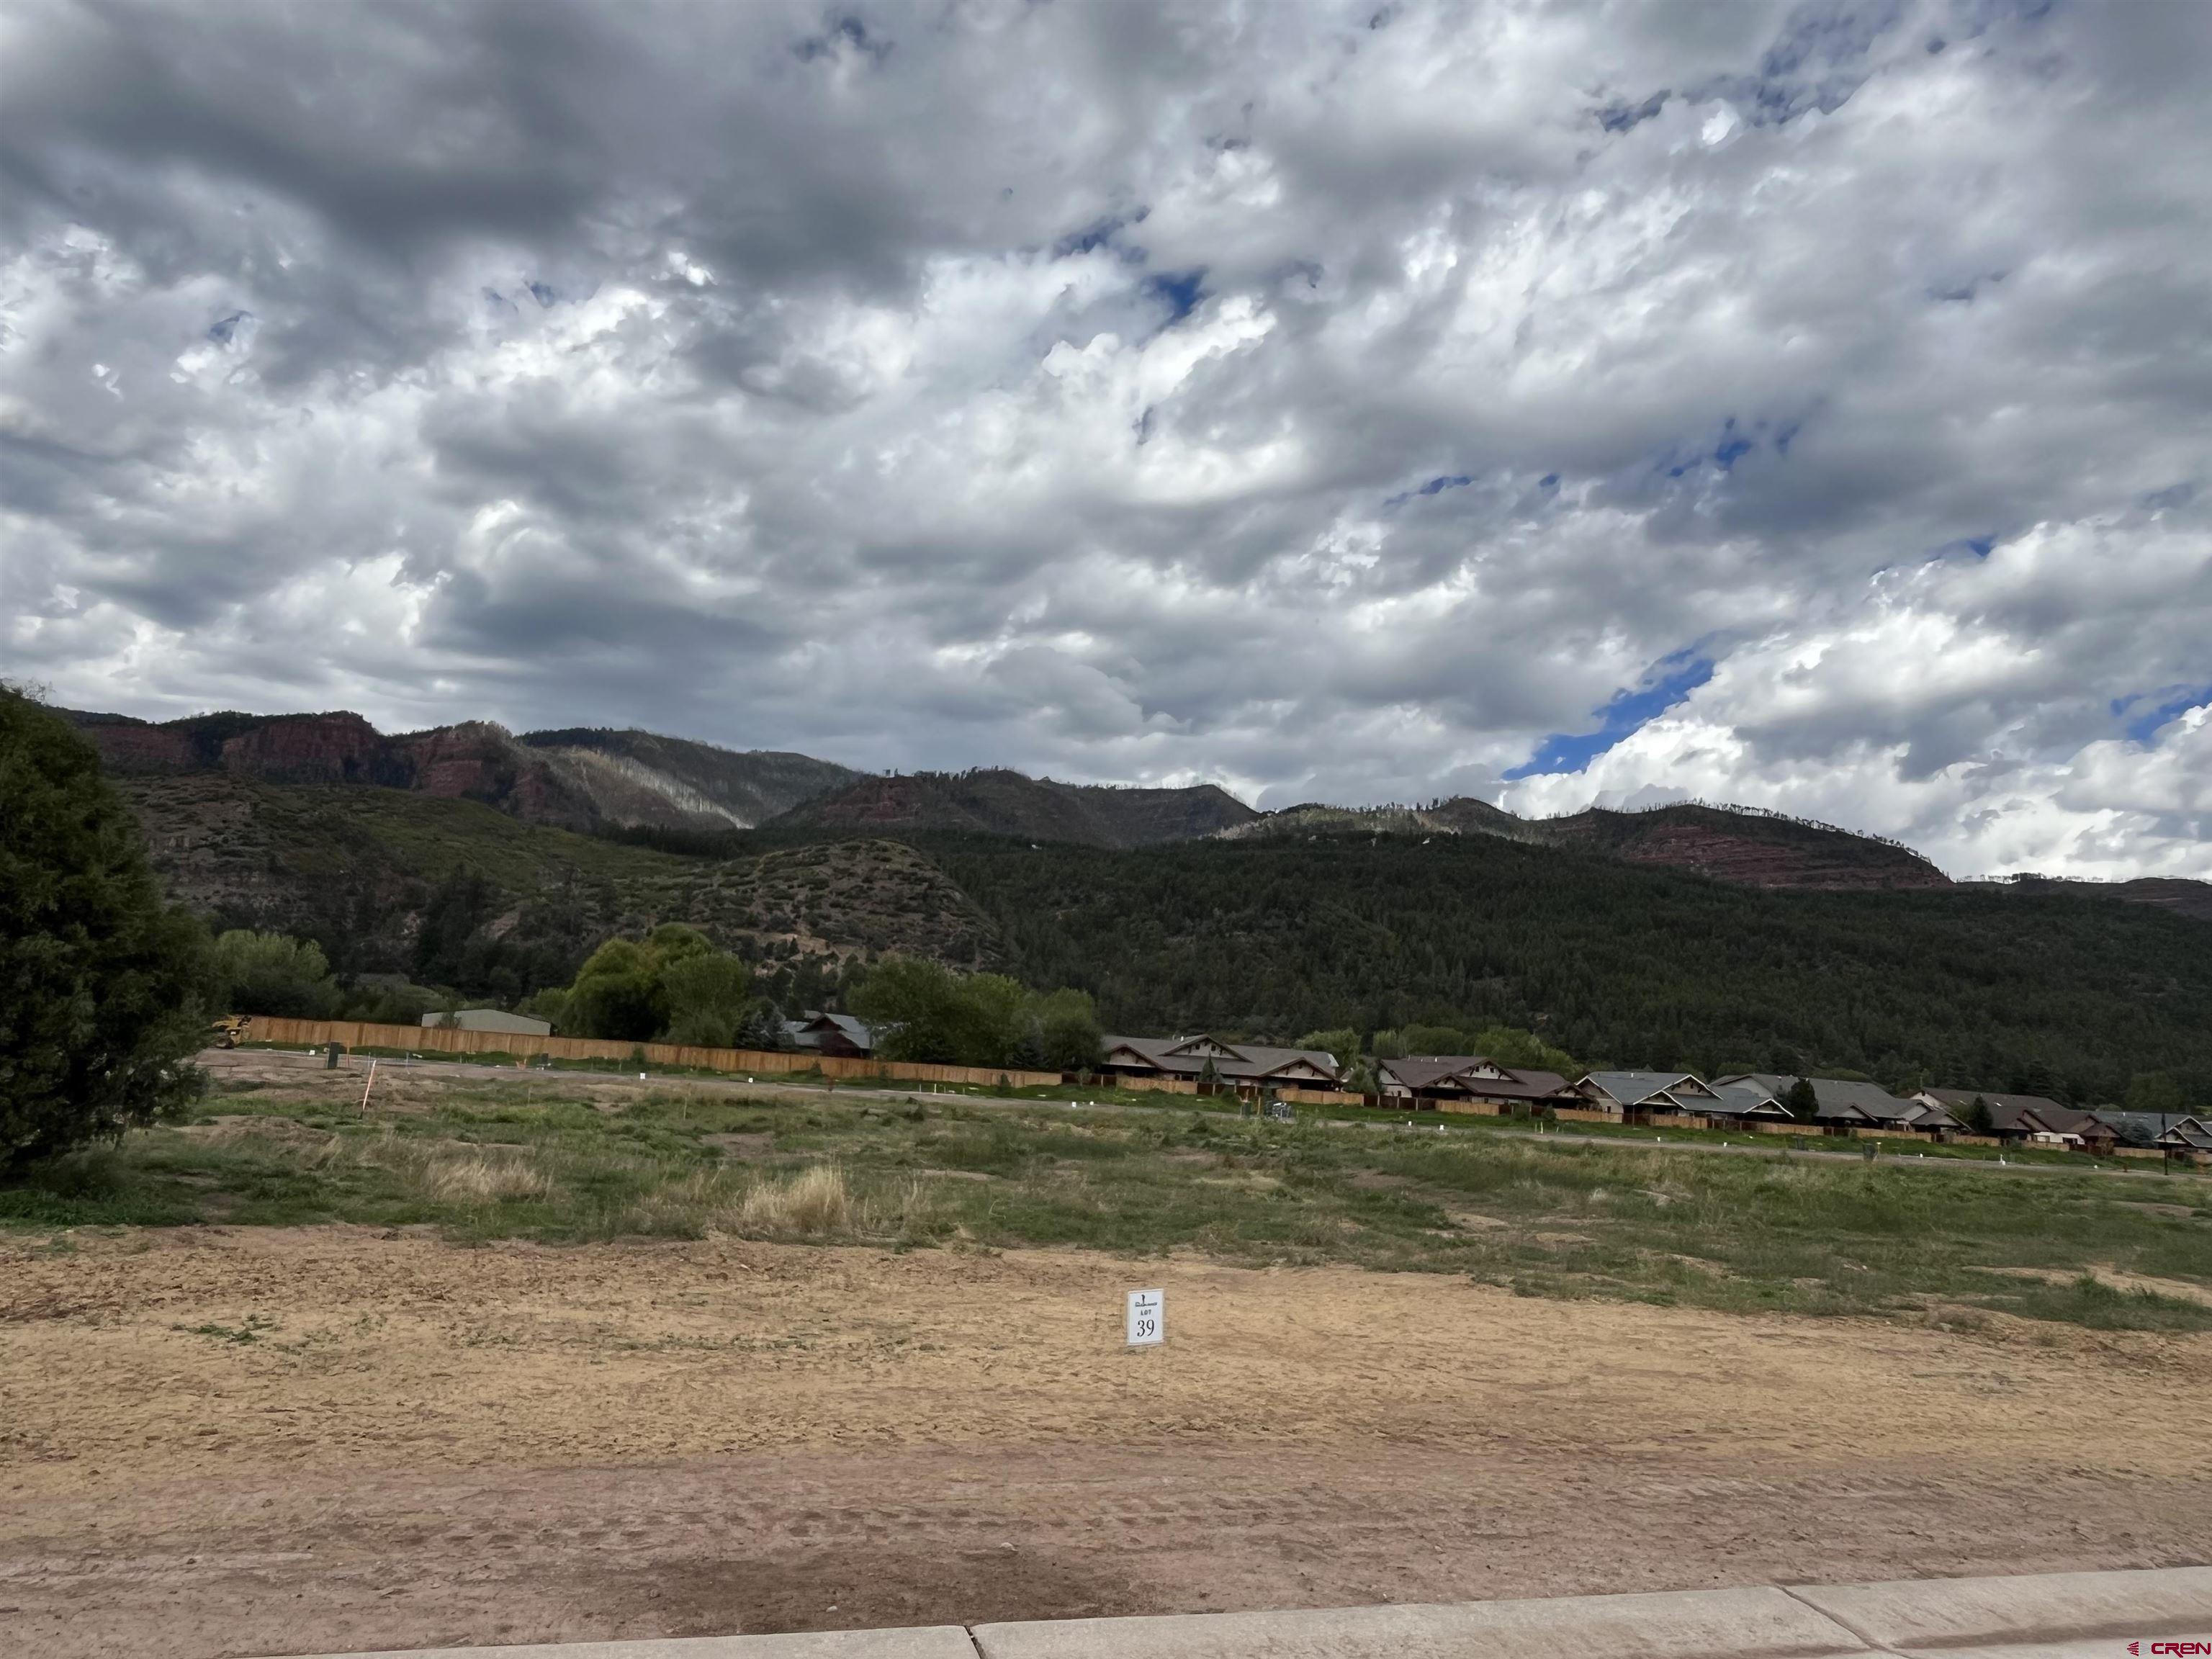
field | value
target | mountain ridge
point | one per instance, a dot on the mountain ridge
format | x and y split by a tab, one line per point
999	801
594	778
578	778
1740	845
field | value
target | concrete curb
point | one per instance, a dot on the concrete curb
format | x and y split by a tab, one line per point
2065	1615
921	1642
2051	1613
1726	1624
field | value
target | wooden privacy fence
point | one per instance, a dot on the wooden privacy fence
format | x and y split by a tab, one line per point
1321	1097
438	1040
1164	1085
1233	1086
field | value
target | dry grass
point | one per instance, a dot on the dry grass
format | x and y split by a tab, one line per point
1770	1234
814	1201
486	1178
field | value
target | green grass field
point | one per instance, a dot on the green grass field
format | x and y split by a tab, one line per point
1226	1105
482	1161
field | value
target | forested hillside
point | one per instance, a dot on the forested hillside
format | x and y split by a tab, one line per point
2050	986
1974	985
997	802
1730	843
455	894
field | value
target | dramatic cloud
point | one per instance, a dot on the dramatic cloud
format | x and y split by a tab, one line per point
1805	406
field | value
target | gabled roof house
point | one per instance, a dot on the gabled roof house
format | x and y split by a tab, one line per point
1845	1105
2012	1117
1743	1101
1634	1097
2177	1135
839	1035
1252	1065
1429	1081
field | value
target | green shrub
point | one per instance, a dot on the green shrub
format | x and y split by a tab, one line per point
273	974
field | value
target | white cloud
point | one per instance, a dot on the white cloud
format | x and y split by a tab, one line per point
1334	402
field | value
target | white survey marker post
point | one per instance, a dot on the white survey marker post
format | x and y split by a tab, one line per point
1148	1318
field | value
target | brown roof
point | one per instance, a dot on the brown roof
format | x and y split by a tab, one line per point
2008	1112
1244	1061
1433	1071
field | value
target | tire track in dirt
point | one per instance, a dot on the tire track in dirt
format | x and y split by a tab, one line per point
434	1445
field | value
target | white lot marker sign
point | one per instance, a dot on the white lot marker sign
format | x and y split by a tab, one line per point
1148	1318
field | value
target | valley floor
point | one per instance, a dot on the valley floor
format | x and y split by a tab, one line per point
230	1441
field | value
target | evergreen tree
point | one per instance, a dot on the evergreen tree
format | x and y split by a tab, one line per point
2154	1091
1801	1102
99	980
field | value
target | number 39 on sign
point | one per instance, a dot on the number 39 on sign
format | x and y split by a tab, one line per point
1148	1318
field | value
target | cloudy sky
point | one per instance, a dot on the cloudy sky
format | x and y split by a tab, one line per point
1809	405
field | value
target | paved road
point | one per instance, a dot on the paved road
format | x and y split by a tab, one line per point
1760	1146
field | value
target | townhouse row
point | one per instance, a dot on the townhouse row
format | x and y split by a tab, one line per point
1756	1102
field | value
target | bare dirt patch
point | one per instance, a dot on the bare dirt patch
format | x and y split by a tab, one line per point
2119	1280
226	1442
741	1145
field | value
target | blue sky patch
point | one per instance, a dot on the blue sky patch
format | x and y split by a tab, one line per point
1436	486
1620	115
1182	289
2172	700
1731	446
1626	714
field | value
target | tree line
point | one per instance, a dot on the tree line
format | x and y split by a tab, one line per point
1363	944
2072	996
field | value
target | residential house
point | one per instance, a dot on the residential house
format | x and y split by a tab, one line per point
489	1019
2182	1136
2098	1137
1249	1067
1741	1102
1636	1096
839	1036
2016	1120
1842	1106
1433	1082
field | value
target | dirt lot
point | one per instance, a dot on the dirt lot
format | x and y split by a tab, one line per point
253	1441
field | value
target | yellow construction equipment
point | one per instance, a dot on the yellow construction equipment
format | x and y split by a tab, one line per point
228	1031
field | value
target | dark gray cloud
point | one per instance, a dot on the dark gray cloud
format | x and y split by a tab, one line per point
1358	402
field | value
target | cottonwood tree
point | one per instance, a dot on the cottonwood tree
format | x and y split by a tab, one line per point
672	986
